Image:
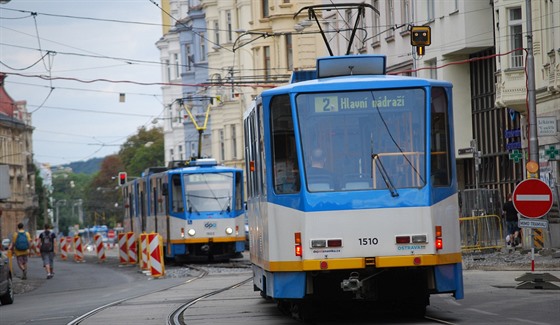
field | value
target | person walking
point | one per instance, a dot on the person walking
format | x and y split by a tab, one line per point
20	246
48	239
511	221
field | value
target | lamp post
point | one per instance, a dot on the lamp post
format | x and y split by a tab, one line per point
56	219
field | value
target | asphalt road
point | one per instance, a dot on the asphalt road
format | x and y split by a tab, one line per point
75	289
491	297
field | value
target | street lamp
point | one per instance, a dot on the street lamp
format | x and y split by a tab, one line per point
56	205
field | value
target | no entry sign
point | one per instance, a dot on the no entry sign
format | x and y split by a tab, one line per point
532	198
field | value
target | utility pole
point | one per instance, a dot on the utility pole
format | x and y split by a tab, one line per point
532	99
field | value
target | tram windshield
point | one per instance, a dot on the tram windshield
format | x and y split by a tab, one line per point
208	192
363	139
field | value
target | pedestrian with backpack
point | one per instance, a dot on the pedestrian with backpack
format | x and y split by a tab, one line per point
20	246
48	239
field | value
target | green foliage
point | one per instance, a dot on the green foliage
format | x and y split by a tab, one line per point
68	192
103	195
99	193
143	150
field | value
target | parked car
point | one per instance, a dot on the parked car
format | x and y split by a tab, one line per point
6	283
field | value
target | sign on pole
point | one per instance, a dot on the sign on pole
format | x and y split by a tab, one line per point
532	198
532	223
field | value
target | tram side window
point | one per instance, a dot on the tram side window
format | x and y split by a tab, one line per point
238	191
285	163
176	194
440	170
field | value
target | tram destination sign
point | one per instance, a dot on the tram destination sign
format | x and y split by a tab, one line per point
532	223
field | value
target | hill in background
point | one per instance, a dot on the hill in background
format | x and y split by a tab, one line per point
88	167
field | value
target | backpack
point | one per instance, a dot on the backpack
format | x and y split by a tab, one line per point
46	242
22	244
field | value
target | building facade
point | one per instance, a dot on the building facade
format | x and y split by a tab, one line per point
18	202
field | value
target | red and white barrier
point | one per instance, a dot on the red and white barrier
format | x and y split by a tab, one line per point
157	267
69	244
132	249
78	250
37	246
123	249
63	248
99	247
144	263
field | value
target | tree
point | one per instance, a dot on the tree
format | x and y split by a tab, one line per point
143	150
103	195
68	193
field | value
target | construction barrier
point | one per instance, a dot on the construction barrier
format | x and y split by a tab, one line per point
99	247
78	250
63	249
132	249
157	267
36	248
481	232
123	248
144	264
69	244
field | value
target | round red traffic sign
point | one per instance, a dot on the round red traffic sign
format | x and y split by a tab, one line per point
111	233
532	198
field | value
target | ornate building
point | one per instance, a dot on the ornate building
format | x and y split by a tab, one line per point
18	202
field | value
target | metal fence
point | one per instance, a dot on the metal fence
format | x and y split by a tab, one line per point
481	232
479	202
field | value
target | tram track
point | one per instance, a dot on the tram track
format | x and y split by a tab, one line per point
177	316
82	318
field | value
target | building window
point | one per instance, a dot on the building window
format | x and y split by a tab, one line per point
188	55
431	10
432	64
348	23
266	62
176	65
390	16
222	145
289	52
376	23
405	14
229	26
203	52
233	141
216	32
167	70
264	8
516	37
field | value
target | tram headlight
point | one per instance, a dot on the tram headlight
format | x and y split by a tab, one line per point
191	232
229	231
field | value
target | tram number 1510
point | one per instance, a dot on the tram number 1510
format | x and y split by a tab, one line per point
364	241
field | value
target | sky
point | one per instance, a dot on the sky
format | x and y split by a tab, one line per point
74	43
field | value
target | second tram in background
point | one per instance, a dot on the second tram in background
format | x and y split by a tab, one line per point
352	190
196	207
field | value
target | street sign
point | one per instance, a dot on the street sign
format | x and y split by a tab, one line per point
464	151
532	223
532	198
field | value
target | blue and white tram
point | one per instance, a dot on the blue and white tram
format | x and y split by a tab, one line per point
197	208
377	218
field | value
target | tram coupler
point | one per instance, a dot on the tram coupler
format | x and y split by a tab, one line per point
352	284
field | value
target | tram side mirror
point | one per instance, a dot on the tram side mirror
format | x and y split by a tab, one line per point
164	190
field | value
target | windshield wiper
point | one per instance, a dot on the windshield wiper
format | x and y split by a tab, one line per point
191	206
377	159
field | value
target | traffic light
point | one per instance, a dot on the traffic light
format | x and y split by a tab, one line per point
122	178
420	37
